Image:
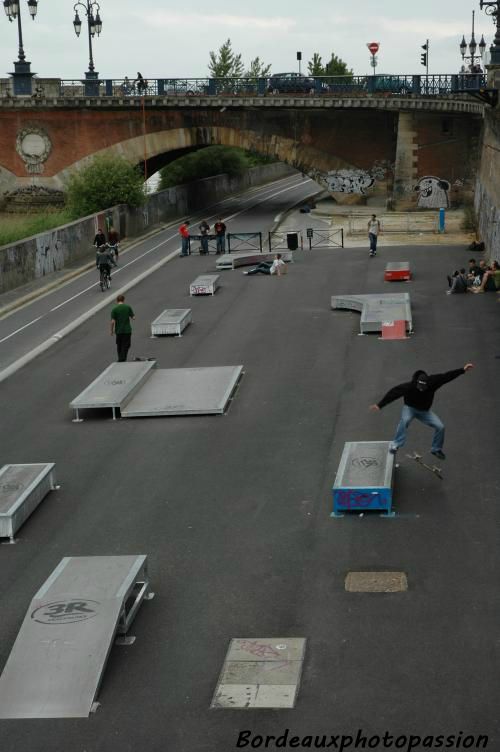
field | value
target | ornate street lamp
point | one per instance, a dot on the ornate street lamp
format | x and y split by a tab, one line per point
493	9
91	9
473	47
22	68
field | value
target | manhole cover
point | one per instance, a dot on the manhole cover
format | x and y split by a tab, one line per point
376	582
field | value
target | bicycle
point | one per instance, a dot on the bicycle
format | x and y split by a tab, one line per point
104	278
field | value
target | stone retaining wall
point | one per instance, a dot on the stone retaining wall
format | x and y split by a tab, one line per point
52	251
487	197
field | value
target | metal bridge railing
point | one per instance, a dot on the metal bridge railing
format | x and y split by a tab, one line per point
395	85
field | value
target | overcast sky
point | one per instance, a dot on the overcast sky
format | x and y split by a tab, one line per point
172	39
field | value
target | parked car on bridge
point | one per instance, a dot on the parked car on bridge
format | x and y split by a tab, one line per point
291	83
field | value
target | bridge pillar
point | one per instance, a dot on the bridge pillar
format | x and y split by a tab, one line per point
22	78
493	76
406	166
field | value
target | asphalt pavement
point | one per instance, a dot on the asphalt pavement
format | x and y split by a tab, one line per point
233	511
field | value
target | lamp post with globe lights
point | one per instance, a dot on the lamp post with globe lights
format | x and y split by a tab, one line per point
493	9
473	47
22	76
94	24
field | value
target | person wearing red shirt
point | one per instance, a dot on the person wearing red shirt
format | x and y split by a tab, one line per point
184	233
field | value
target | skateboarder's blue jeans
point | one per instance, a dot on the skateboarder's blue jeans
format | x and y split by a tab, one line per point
428	418
373	241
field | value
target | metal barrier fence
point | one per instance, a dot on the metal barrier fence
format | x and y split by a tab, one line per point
244	241
211	243
432	85
406	222
286	240
325	238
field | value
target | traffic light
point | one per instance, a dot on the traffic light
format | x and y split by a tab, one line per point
423	56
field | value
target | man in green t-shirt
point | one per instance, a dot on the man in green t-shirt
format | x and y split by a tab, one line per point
121	316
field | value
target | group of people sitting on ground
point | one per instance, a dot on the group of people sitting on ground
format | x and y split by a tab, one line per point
477	278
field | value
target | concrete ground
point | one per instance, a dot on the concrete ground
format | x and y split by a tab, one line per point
234	511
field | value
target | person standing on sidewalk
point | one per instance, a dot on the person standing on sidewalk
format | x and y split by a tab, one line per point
220	235
184	233
418	395
204	231
121	316
373	233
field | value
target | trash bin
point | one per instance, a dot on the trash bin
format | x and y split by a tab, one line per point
292	241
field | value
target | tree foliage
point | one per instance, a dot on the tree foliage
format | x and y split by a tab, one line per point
315	65
337	67
258	69
334	67
204	163
108	180
225	63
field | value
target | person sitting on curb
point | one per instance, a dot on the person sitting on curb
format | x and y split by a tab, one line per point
491	279
277	267
418	395
458	283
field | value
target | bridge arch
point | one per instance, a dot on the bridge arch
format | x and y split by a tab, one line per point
356	152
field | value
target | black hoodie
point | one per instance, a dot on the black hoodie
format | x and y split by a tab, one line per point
413	397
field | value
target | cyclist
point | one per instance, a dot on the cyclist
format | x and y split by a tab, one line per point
104	260
113	240
100	238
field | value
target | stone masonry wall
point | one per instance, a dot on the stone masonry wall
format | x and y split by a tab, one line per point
487	198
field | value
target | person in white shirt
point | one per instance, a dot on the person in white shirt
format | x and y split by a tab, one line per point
277	267
373	233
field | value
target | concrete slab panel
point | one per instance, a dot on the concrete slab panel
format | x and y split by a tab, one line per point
376	309
185	391
376	582
22	488
260	673
117	383
263	648
171	321
244	696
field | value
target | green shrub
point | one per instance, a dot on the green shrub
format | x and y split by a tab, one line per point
18	227
212	160
105	182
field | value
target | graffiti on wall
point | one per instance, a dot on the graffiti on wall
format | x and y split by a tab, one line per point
353	180
349	181
433	193
49	256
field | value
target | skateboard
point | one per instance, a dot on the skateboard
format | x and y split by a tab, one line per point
432	468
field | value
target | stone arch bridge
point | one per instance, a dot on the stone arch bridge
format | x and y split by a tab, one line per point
410	150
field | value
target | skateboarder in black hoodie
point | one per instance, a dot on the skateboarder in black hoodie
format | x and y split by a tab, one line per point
418	395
